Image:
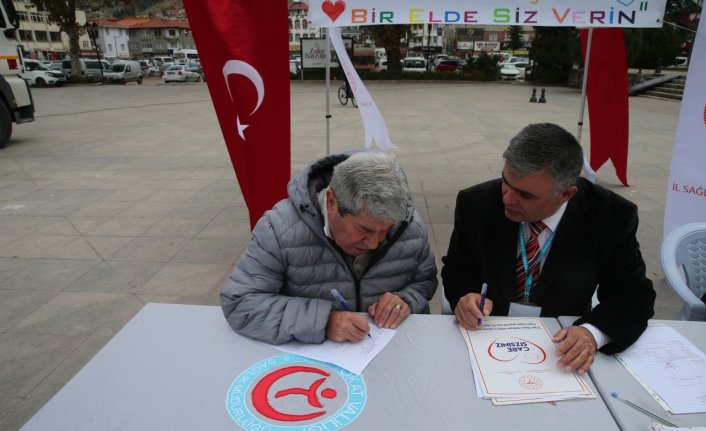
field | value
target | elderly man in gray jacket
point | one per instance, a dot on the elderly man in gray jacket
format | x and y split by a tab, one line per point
348	224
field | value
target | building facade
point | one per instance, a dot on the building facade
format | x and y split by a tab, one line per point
299	26
141	37
471	40
41	39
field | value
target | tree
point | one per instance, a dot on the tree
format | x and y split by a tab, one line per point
484	67
516	39
555	50
390	37
651	48
683	16
63	14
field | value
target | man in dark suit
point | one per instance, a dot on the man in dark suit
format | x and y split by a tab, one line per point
543	239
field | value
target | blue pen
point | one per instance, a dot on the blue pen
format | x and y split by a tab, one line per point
643	410
342	301
483	293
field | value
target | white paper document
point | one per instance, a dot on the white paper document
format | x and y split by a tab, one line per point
671	366
354	357
513	362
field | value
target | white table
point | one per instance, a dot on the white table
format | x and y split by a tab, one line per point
171	368
610	376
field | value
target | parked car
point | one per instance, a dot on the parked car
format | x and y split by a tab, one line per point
163	59
148	68
163	63
294	67
447	66
89	67
39	75
523	68
122	72
414	64
198	69
515	60
439	58
509	71
382	65
180	73
56	66
681	62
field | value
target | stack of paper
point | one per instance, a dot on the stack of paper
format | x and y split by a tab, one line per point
670	368
513	362
354	357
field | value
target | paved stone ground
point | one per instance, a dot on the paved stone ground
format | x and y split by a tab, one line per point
121	195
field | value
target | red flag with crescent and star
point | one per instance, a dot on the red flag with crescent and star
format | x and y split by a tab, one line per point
244	51
607	94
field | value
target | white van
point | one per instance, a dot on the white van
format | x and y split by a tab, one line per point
89	67
124	71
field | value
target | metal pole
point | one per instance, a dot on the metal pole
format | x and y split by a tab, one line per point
328	87
590	173
428	45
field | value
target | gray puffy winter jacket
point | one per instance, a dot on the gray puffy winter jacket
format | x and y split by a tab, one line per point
280	290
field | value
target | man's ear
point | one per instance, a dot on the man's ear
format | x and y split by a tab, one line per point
568	193
331	203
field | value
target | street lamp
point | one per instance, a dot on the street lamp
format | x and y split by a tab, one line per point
428	45
93	33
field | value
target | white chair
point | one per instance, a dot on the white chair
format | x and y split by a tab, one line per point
445	306
684	266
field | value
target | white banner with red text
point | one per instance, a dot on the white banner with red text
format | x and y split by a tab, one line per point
373	123
686	192
551	13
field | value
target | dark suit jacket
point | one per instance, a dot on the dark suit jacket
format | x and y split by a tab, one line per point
594	245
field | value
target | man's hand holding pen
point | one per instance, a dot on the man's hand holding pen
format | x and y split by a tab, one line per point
346	326
468	311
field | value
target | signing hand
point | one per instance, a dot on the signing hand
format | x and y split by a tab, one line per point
577	349
389	311
346	326
468	310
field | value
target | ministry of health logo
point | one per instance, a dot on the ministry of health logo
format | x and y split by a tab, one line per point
289	392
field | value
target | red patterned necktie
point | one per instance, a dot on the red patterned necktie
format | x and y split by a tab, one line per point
533	264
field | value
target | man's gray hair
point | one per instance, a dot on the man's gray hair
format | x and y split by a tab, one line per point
546	146
371	183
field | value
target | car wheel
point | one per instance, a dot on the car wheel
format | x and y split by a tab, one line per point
198	79
139	80
122	81
39	82
5	125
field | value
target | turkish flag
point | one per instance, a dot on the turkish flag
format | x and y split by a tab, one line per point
607	93
244	50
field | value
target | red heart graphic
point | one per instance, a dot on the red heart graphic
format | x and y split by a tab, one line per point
333	10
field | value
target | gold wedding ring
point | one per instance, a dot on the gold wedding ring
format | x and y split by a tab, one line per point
397	307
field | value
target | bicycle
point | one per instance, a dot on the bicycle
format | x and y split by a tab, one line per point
343	96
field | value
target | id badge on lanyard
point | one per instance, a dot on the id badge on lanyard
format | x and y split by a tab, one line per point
518	309
528	270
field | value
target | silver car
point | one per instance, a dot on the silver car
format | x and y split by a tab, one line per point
89	67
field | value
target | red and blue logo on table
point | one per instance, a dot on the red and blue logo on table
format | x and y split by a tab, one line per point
289	392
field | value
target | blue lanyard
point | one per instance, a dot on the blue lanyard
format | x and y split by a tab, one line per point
525	264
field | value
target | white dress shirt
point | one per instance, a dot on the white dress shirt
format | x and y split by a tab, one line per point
552	222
